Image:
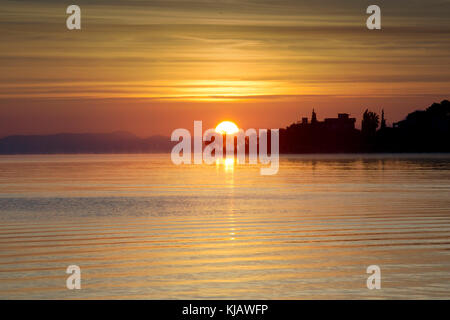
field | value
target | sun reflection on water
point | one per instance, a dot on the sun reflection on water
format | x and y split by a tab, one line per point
228	163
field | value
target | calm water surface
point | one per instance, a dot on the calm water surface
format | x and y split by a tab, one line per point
141	227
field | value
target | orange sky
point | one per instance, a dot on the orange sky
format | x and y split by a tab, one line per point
149	67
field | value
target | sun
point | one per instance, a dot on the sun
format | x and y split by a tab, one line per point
227	127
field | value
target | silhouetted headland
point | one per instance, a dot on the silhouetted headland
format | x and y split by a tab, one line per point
421	131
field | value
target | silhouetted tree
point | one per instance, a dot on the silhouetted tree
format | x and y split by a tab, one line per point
370	123
424	130
383	121
313	117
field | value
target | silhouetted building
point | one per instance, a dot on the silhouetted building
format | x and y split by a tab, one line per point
342	122
331	135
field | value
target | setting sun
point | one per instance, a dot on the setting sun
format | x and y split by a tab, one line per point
227	127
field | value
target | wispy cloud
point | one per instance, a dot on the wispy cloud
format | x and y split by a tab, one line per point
232	50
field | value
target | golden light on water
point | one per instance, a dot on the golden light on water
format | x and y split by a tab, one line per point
228	163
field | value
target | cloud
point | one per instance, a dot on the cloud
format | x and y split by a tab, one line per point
222	50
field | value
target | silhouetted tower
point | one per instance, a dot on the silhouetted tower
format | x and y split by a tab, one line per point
313	117
383	121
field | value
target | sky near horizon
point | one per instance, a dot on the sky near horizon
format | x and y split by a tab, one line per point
149	67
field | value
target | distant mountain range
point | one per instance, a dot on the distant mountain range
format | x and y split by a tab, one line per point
115	142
